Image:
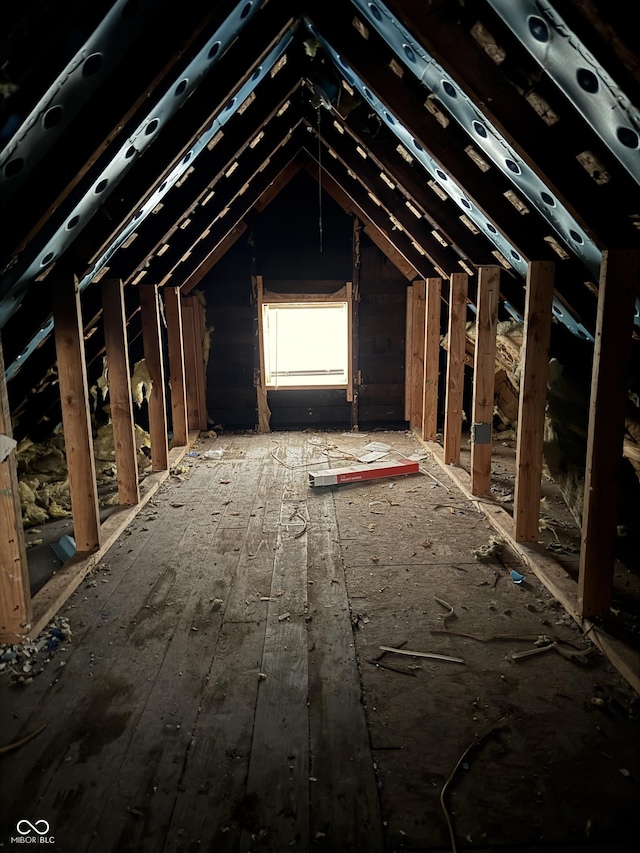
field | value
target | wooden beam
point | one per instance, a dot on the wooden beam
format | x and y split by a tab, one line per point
152	343
534	362
193	356
212	259
484	371
619	286
76	417
408	351
433	290
387	248
458	288
191	386
120	401
173	314
417	354
15	595
278	184
350	327
264	413
199	333
371	229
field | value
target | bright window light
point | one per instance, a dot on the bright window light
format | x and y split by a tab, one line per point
306	344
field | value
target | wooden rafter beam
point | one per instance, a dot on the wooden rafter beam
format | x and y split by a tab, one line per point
361	204
166	38
232	193
602	209
355	159
404	99
194	117
211	171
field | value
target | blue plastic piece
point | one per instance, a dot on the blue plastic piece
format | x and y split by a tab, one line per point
516	577
65	548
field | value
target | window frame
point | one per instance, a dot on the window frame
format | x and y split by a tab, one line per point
341	296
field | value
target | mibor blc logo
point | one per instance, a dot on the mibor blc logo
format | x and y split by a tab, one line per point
33	833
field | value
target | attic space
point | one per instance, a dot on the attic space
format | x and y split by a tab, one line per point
320	426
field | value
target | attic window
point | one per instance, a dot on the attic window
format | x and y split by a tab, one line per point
306	344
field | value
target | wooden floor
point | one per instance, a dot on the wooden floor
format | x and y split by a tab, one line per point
218	692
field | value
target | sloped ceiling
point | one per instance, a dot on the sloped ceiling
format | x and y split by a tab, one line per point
139	136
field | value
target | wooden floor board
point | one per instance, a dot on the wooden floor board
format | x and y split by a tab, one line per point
211	805
344	802
132	659
218	695
278	780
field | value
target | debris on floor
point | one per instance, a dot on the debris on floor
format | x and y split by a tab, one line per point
10	747
490	550
21	663
430	655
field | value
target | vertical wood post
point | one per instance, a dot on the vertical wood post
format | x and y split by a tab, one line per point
353	391
120	403
417	354
194	362
408	353
152	343
534	362
264	413
458	288
76	419
433	292
619	285
173	314
354	325
15	593
484	372
198	333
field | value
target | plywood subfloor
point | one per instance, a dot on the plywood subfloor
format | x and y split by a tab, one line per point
220	691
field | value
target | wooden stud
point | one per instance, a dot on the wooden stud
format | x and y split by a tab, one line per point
191	388
15	595
173	314
218	252
534	362
194	363
619	286
433	291
76	417
278	184
120	402
417	355
152	343
350	322
484	371
354	327
458	288
408	352
199	326
264	413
